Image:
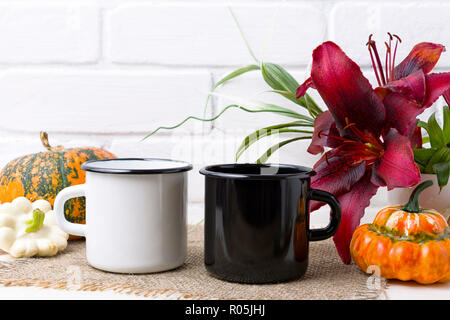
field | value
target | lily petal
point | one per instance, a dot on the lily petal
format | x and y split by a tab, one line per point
412	86
404	101
301	90
437	85
401	113
396	168
347	93
324	130
334	175
423	56
447	96
416	138
353	205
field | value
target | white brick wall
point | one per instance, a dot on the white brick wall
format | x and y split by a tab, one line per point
98	101
33	33
105	72
205	34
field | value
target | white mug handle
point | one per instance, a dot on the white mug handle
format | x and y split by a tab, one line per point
64	195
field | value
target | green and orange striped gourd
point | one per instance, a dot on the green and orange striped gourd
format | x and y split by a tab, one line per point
42	175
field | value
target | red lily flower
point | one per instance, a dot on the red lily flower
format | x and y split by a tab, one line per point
408	89
366	153
447	97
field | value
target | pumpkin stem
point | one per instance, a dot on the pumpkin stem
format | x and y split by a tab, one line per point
46	144
413	204
37	222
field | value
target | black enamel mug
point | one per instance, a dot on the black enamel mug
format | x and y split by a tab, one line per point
257	221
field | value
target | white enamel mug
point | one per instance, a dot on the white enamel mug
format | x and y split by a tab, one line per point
135	214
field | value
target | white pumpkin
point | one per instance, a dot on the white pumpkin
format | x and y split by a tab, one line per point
19	240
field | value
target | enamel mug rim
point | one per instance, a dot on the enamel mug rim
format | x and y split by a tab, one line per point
92	166
228	170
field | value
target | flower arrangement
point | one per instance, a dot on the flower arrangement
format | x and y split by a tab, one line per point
369	133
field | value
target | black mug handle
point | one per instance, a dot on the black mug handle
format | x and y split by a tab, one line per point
330	230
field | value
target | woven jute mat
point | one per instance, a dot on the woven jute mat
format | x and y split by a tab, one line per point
327	277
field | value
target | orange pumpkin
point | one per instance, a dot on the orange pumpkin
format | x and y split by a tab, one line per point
42	175
405	242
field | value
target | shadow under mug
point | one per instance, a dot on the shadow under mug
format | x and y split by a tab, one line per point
257	221
135	214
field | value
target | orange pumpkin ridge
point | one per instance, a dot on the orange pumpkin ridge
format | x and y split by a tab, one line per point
405	242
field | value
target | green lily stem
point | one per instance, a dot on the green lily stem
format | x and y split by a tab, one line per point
413	204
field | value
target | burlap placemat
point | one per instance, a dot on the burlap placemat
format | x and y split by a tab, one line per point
327	277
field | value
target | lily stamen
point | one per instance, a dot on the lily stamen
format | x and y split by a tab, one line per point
326	158
369	152
358	133
373	146
388	52
369	46
383	77
372	46
393	57
387	64
335	137
349	124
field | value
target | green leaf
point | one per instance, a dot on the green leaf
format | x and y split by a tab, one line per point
282	110
425	140
423	156
241	31
446	114
230	76
263	107
278	78
422	124
435	132
37	222
306	101
421	167
281	80
287	94
310	104
267	131
274	148
441	155
236	73
442	170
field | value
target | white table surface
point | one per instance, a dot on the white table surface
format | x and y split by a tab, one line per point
396	289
